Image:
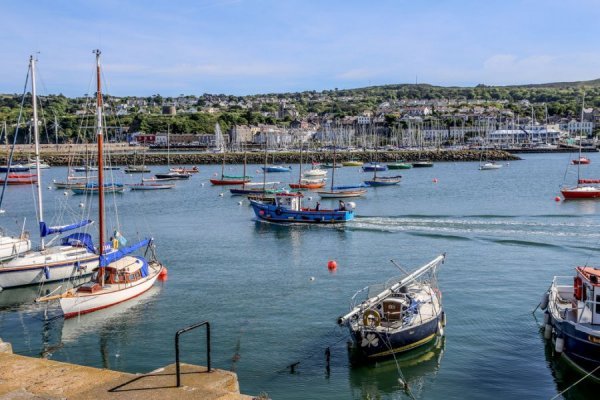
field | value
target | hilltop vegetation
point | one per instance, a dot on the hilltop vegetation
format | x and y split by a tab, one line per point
201	113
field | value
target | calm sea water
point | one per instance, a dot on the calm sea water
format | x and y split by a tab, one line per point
504	235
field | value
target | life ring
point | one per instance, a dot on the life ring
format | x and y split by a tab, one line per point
278	211
367	315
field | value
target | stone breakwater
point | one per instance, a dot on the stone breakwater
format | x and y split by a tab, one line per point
181	158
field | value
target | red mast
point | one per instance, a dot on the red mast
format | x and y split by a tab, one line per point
100	138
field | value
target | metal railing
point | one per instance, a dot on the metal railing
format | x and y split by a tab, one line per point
184	330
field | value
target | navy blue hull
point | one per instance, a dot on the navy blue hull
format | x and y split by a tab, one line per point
580	348
382	345
273	213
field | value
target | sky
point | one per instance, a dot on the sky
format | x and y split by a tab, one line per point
244	47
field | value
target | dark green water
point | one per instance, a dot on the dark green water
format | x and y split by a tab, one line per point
504	235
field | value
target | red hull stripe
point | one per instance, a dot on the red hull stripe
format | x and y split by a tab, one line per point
74	314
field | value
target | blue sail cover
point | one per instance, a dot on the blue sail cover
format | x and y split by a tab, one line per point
79	239
46	230
120	253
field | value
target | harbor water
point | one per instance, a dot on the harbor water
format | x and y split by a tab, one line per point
271	301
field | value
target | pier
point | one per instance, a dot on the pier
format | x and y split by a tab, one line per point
38	378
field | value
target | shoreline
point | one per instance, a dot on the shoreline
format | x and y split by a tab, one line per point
127	156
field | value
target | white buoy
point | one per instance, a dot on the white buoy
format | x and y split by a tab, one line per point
240	203
221	194
66	193
49	187
312	278
2	211
81	205
559	346
202	184
443	319
352	205
309	198
440	329
546	318
544	302
547	331
54	180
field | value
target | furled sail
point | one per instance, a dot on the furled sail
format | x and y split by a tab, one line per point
46	230
106	259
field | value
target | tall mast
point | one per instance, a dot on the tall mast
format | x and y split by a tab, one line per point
100	138
37	144
580	133
333	169
300	169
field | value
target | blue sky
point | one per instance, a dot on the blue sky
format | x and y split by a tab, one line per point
247	47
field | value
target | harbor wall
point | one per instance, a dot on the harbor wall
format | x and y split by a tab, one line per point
129	157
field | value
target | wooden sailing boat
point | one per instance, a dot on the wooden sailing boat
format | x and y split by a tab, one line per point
585	188
340	192
230	179
120	276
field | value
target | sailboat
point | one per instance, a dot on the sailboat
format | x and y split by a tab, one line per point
306	183
585	188
73	257
120	276
485	164
340	192
381	180
10	167
230	179
254	188
171	175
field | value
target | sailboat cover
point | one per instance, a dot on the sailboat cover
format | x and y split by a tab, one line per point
106	259
46	230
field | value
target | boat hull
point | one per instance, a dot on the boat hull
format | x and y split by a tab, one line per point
173	176
14	168
373	168
276	169
270	212
151	186
384	181
94	190
372	344
225	182
399	166
352	163
90	302
581	193
25	275
337	194
307	185
422	164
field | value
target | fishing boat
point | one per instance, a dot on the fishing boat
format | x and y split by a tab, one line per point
399	165
276	168
340	192
183	170
120	276
173	176
489	165
422	164
400	315
288	208
15	178
73	257
136	169
373	166
581	160
352	163
92	188
585	188
32	164
572	318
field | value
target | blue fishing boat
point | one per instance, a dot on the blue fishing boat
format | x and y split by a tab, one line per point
288	208
276	168
370	167
572	319
400	315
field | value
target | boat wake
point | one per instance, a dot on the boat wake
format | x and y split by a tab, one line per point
507	230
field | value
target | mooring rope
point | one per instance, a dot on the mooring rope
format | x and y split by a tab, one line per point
573	385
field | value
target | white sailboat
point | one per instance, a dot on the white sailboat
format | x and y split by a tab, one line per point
120	276
73	257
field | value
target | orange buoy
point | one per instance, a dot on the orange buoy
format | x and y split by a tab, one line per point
331	265
163	275
557	198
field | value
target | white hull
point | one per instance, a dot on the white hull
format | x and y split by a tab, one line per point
83	303
336	194
489	166
11	247
315	172
63	263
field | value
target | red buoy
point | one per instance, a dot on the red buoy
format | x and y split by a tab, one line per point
557	198
163	275
331	265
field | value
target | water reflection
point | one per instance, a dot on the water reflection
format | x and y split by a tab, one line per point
23	298
418	367
565	375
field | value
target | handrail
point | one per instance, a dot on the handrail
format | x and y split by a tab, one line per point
184	330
